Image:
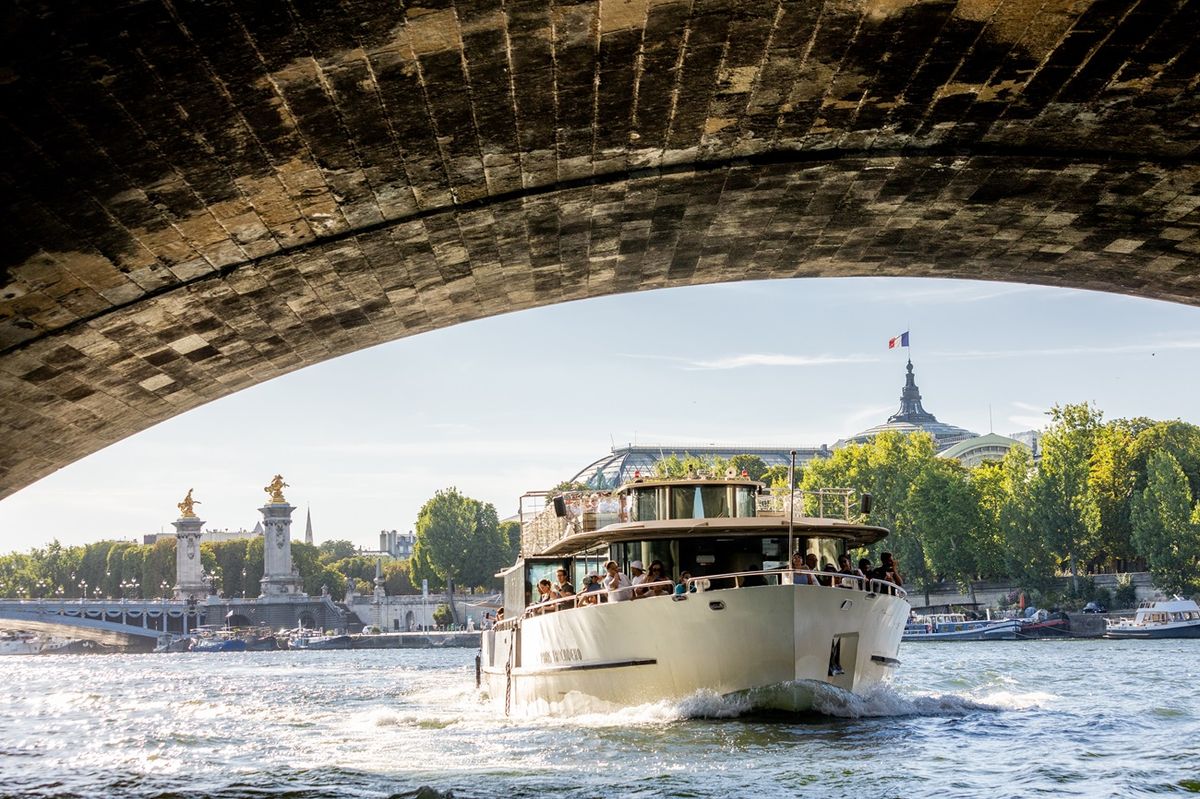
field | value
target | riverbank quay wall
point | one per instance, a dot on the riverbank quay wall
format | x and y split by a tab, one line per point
996	594
410	613
282	612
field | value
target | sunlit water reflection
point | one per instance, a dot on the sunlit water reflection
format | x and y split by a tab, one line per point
989	719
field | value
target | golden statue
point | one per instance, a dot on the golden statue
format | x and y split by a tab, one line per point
185	508
275	489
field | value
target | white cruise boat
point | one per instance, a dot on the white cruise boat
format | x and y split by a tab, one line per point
957	627
741	621
1171	618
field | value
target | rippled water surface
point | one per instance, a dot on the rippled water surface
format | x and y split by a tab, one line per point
987	719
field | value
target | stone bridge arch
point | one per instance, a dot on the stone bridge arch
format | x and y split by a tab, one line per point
201	196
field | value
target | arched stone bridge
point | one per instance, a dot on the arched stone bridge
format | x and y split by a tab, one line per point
198	196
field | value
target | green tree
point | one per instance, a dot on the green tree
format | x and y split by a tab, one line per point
458	540
488	552
753	465
990	486
445	533
1166	526
1060	495
943	511
511	532
396	579
887	466
1110	484
333	551
1180	439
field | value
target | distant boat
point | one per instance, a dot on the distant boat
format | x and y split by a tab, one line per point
317	641
957	627
219	645
20	644
1172	618
173	643
1045	625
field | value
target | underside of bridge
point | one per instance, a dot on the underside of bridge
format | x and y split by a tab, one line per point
199	196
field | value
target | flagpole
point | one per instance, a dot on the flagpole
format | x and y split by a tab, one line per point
791	506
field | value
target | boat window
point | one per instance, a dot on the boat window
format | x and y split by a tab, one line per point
700	502
827	550
645	505
666	550
745	501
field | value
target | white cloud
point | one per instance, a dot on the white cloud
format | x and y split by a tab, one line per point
756	359
1027	422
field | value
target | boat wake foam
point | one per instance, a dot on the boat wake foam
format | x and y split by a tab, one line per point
796	698
826	700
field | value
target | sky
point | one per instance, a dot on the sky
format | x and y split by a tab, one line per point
520	402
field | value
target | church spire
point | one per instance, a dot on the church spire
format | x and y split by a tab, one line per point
308	538
910	403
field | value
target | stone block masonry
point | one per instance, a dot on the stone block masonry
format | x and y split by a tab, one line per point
199	197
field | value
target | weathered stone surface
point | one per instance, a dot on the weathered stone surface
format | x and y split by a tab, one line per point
198	196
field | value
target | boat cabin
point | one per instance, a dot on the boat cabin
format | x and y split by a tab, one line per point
731	530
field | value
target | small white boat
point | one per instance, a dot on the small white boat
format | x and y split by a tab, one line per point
20	644
1170	618
957	627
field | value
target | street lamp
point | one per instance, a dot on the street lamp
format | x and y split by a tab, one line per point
163	586
243	583
82	590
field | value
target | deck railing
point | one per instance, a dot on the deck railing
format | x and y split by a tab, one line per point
727	581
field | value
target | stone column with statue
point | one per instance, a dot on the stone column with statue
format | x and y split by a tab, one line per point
279	578
189	574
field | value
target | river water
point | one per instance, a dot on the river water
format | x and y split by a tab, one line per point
987	719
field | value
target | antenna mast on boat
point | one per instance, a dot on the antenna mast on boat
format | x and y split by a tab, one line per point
791	503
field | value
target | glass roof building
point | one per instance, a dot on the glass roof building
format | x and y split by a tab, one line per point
618	466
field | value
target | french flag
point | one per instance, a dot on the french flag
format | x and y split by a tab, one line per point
899	341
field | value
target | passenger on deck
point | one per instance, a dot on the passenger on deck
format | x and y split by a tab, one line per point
682	586
561	580
657	574
545	596
798	564
887	569
638	572
590	595
616	583
848	572
810	564
566	591
830	569
864	570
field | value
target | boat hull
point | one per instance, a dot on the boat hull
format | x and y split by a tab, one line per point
768	641
230	645
1166	631
1002	631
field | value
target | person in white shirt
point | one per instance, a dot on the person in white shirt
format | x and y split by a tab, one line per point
618	585
639	576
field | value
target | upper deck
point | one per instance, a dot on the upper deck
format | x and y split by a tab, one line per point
648	509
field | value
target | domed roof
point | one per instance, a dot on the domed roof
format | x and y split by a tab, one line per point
976	450
618	466
911	418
